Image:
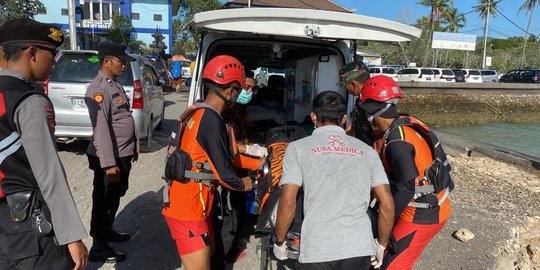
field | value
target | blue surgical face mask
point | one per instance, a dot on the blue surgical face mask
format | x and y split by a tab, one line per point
244	97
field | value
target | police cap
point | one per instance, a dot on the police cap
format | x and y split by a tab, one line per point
352	71
24	30
114	49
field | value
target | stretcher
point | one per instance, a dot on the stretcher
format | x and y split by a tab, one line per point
268	192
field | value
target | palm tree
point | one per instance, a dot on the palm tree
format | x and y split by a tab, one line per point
486	8
453	20
528	6
438	7
485	5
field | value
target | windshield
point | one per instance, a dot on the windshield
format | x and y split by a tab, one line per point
447	72
427	71
82	68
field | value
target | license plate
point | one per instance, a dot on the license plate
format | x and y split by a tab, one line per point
428	79
475	78
78	103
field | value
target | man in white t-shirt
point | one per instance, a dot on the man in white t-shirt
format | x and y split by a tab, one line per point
337	173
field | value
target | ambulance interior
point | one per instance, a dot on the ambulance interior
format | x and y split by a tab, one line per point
288	76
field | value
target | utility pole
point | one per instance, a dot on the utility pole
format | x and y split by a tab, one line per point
485	34
525	41
72	26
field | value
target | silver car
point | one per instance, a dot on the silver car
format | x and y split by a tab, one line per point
489	75
71	75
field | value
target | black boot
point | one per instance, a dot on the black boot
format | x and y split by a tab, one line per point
101	251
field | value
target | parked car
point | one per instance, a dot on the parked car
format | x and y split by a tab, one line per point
305	60
395	67
521	76
444	75
386	71
413	74
472	75
73	72
489	75
460	75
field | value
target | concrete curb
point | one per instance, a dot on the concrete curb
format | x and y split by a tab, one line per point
455	145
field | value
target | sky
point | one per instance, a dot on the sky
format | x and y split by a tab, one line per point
408	11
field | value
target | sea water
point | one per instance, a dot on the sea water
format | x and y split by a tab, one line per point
524	138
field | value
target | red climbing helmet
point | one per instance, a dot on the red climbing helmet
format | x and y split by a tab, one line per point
225	69
382	89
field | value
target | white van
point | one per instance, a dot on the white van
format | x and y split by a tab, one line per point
308	46
413	74
472	75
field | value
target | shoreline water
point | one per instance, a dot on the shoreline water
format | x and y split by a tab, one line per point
519	137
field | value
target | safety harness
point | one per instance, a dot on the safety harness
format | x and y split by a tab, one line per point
438	174
178	163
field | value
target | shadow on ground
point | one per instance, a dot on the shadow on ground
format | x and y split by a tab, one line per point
151	246
168	103
77	146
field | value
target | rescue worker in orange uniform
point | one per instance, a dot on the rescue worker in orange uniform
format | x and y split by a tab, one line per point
211	148
405	155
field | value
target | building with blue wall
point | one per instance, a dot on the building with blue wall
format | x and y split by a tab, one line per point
146	17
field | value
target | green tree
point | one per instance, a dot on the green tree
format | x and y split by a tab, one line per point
120	30
484	5
528	6
187	40
453	20
10	9
438	8
139	47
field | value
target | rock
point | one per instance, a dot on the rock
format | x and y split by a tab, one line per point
463	235
533	251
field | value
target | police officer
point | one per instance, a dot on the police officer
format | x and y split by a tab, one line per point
113	147
40	227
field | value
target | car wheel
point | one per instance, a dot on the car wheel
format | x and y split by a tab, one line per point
149	136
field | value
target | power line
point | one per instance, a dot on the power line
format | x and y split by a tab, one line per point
469	12
514	23
500	32
473	30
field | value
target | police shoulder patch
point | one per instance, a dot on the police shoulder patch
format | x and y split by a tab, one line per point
98	97
120	101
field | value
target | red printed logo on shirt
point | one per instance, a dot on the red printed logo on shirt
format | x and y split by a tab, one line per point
1	178
2	105
334	140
